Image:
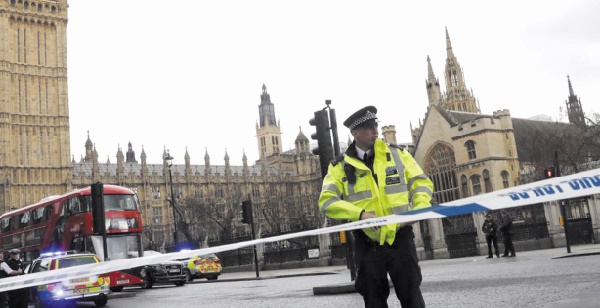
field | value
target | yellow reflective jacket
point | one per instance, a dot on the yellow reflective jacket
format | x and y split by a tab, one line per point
401	186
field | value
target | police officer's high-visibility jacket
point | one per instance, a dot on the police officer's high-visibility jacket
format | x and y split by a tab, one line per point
401	186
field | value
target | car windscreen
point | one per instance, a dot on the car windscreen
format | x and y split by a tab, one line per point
81	260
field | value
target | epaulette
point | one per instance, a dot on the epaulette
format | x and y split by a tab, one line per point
337	159
396	146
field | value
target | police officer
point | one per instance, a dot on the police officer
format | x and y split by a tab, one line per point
505	228
373	179
490	229
3	274
14	267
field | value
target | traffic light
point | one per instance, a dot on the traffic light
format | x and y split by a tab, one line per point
323	137
549	173
98	220
247	212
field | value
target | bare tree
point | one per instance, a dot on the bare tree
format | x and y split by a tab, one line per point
574	146
200	218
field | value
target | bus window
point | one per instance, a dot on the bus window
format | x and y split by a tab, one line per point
119	247
120	203
73	206
38	215
5	224
85	203
24	219
14	223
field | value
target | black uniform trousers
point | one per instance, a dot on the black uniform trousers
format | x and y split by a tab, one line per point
17	298
400	260
508	244
492	239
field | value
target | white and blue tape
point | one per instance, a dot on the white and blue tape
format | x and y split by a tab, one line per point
576	185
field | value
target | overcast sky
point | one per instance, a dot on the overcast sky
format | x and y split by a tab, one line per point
189	74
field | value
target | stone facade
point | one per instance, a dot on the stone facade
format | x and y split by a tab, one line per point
468	153
293	176
34	111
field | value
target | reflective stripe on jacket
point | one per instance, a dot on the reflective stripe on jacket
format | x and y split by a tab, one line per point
401	186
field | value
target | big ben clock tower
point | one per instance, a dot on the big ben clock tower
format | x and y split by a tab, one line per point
34	111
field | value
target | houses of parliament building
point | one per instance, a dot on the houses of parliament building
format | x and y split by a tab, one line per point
464	151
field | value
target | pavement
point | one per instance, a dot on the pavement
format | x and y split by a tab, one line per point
553	253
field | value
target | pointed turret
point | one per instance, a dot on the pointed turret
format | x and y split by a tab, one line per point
227	166
207	162
574	109
457	97
449	52
89	148
268	133
95	165
245	170
432	84
130	157
188	165
144	163
165	153
120	160
302	144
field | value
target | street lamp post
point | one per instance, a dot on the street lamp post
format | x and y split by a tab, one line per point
169	160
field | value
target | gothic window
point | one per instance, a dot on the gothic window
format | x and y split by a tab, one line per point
471	149
263	145
476	184
255	191
218	191
198	192
155	192
486	181
504	175
157	215
439	166
464	186
453	79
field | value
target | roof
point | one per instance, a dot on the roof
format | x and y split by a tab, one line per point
535	140
85	169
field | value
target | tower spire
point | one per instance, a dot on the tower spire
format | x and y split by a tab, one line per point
571	93
457	97
268	132
432	85
574	109
450	53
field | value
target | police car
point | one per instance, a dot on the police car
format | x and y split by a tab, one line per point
206	266
92	288
162	273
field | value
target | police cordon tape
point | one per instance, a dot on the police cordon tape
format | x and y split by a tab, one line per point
572	186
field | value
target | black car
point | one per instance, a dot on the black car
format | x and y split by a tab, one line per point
163	273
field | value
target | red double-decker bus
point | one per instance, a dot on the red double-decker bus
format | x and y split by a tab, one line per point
59	223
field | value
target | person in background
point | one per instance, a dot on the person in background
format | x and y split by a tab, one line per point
14	267
374	179
3	274
505	228
490	228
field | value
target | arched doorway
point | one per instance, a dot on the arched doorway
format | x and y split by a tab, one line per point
460	233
